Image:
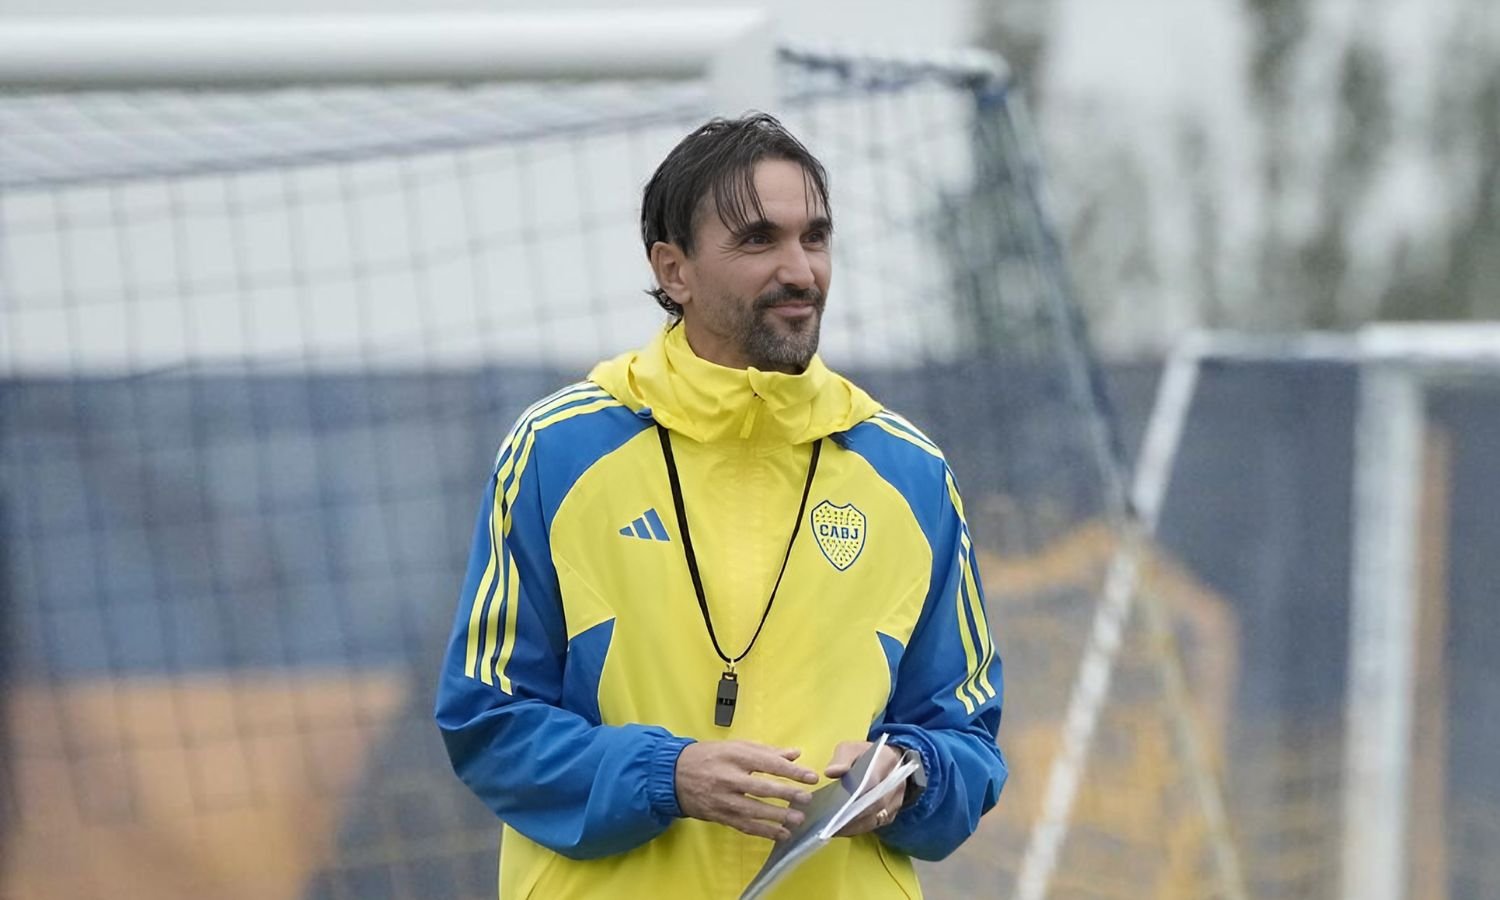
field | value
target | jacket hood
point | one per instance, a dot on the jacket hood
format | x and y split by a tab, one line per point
711	403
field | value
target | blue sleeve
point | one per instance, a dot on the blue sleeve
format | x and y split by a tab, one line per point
945	703
545	766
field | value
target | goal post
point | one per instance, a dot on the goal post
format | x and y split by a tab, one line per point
732	48
1395	367
1123	591
1399	363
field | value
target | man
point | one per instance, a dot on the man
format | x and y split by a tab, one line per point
712	564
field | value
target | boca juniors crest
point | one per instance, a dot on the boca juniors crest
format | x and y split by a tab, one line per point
840	532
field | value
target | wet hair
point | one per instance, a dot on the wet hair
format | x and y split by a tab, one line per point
717	162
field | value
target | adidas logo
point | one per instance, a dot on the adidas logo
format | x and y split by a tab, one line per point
647	525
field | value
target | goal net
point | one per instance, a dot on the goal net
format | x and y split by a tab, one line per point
257	345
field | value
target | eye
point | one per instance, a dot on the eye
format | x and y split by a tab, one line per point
756	239
818	236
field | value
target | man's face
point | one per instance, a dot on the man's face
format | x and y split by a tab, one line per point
755	294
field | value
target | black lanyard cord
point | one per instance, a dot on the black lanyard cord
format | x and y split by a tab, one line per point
692	559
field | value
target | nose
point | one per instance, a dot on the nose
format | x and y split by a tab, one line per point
796	268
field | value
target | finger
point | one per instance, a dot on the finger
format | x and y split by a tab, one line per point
753	757
869	820
775	764
737	809
844	756
884	761
763	819
761	829
858	825
779	790
750	824
738	806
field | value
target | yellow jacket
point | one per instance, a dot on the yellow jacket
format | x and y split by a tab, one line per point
580	664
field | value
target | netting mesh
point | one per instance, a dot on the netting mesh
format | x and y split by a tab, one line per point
1455	799
258	350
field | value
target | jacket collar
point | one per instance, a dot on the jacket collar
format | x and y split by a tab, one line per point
711	403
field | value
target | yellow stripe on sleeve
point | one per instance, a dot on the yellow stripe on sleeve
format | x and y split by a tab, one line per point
476	609
533	419
957	501
979	680
503	597
970	655
481	626
968	605
514	470
887	427
531	411
524	456
512	591
910	430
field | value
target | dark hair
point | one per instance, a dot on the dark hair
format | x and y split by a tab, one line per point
718	160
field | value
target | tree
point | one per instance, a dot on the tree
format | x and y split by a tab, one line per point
1327	164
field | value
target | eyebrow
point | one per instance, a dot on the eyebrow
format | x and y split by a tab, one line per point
820	223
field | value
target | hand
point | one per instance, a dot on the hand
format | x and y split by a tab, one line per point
716	782
883	811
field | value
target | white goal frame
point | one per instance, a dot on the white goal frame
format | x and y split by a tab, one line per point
1397	363
733	49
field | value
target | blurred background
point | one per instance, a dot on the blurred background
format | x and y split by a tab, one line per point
258	346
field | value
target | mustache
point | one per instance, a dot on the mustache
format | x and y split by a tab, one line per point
787	294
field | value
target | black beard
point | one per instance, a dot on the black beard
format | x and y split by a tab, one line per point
770	350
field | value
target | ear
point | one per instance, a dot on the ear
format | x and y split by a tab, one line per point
671	267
